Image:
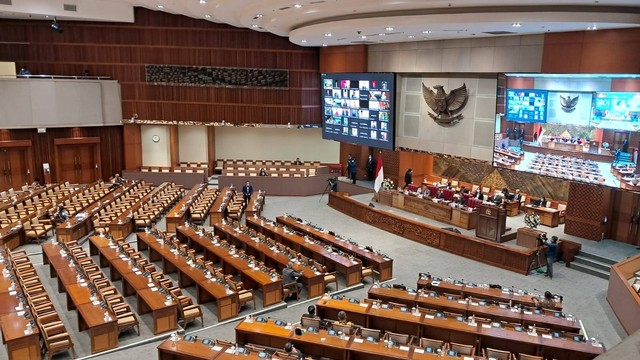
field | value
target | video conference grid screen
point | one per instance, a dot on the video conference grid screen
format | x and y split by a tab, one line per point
359	108
527	105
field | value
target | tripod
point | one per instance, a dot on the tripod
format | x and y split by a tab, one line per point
536	264
329	184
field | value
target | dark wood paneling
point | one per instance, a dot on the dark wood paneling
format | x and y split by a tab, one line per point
132	139
122	50
351	58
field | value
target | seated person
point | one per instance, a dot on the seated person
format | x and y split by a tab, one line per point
517	196
262	172
342	319
440	194
311	312
547	303
461	200
543	201
61	215
477	194
297	162
35	183
289	275
464	190
291	350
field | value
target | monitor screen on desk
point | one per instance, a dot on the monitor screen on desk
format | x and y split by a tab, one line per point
359	108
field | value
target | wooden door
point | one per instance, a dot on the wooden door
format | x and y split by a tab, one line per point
77	163
618	139
13	169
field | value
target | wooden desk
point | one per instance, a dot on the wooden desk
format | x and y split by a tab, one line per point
123	225
480	292
493	312
181	211
207	290
383	265
74	229
313	280
528	237
623	298
19	345
103	334
351	269
165	316
512	207
425	207
256	203
216	213
506	257
548	216
233	264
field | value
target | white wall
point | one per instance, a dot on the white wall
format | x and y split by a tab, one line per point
491	54
192	143
275	144
155	154
471	137
7	68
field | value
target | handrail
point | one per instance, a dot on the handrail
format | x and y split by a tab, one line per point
61	77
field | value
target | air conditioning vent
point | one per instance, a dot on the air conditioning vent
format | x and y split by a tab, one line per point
317	2
70	7
285	8
5	2
363	42
499	32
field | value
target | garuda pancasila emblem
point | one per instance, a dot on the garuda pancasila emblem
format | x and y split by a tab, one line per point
568	104
446	106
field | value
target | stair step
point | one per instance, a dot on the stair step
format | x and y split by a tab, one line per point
598	258
593	263
590	270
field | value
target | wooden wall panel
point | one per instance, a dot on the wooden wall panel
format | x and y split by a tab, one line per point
132	140
351	58
587	206
602	51
120	51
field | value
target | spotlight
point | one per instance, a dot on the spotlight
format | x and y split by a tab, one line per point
56	27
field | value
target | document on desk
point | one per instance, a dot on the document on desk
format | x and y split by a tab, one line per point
358	340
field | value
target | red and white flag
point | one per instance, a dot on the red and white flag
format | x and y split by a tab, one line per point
379	174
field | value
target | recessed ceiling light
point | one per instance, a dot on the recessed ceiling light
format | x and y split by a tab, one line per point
203	2
382	34
363	37
324	45
207	16
303	41
258	16
297	6
327	34
254	26
160	7
427	32
592	27
389	28
410	36
516	24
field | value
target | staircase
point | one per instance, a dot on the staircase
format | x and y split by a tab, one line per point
592	264
624	158
213	180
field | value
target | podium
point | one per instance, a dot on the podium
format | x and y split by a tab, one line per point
528	237
492	222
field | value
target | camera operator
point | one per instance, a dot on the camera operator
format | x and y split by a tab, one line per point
552	251
333	183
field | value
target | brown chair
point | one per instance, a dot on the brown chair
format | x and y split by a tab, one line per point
528	357
290	289
368	272
244	295
400	339
463	349
54	335
489	353
310	322
125	318
330	277
346	329
433	344
374	333
187	309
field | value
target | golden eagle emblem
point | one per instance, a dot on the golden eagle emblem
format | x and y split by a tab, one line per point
568	104
446	106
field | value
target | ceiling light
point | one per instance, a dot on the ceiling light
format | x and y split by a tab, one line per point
160	7
303	41
382	34
427	32
203	2
363	37
207	16
297	6
389	28
324	45
254	26
258	16
592	27
516	24
410	36
327	34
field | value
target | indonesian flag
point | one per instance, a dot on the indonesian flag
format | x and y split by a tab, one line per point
379	174
540	132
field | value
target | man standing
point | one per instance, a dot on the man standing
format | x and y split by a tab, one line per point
297	162
351	168
552	250
371	167
408	177
247	191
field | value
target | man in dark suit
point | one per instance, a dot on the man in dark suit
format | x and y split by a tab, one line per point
478	195
351	168
297	162
371	167
289	275
247	191
408	178
517	197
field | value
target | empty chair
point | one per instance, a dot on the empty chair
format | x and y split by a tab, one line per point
528	357
398	339
489	353
368	272
463	349
330	277
432	344
373	333
310	322
244	295
187	310
55	336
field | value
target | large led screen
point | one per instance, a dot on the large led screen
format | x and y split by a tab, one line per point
527	105
359	108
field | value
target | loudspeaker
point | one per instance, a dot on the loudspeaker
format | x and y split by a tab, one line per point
452	229
371	204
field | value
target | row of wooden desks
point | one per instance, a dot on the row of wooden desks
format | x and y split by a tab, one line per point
548	216
314	280
382	264
19	344
251	276
124	225
216	213
450	329
496	313
350	268
465	290
181	349
322	344
207	289
148	296
181	211
103	333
